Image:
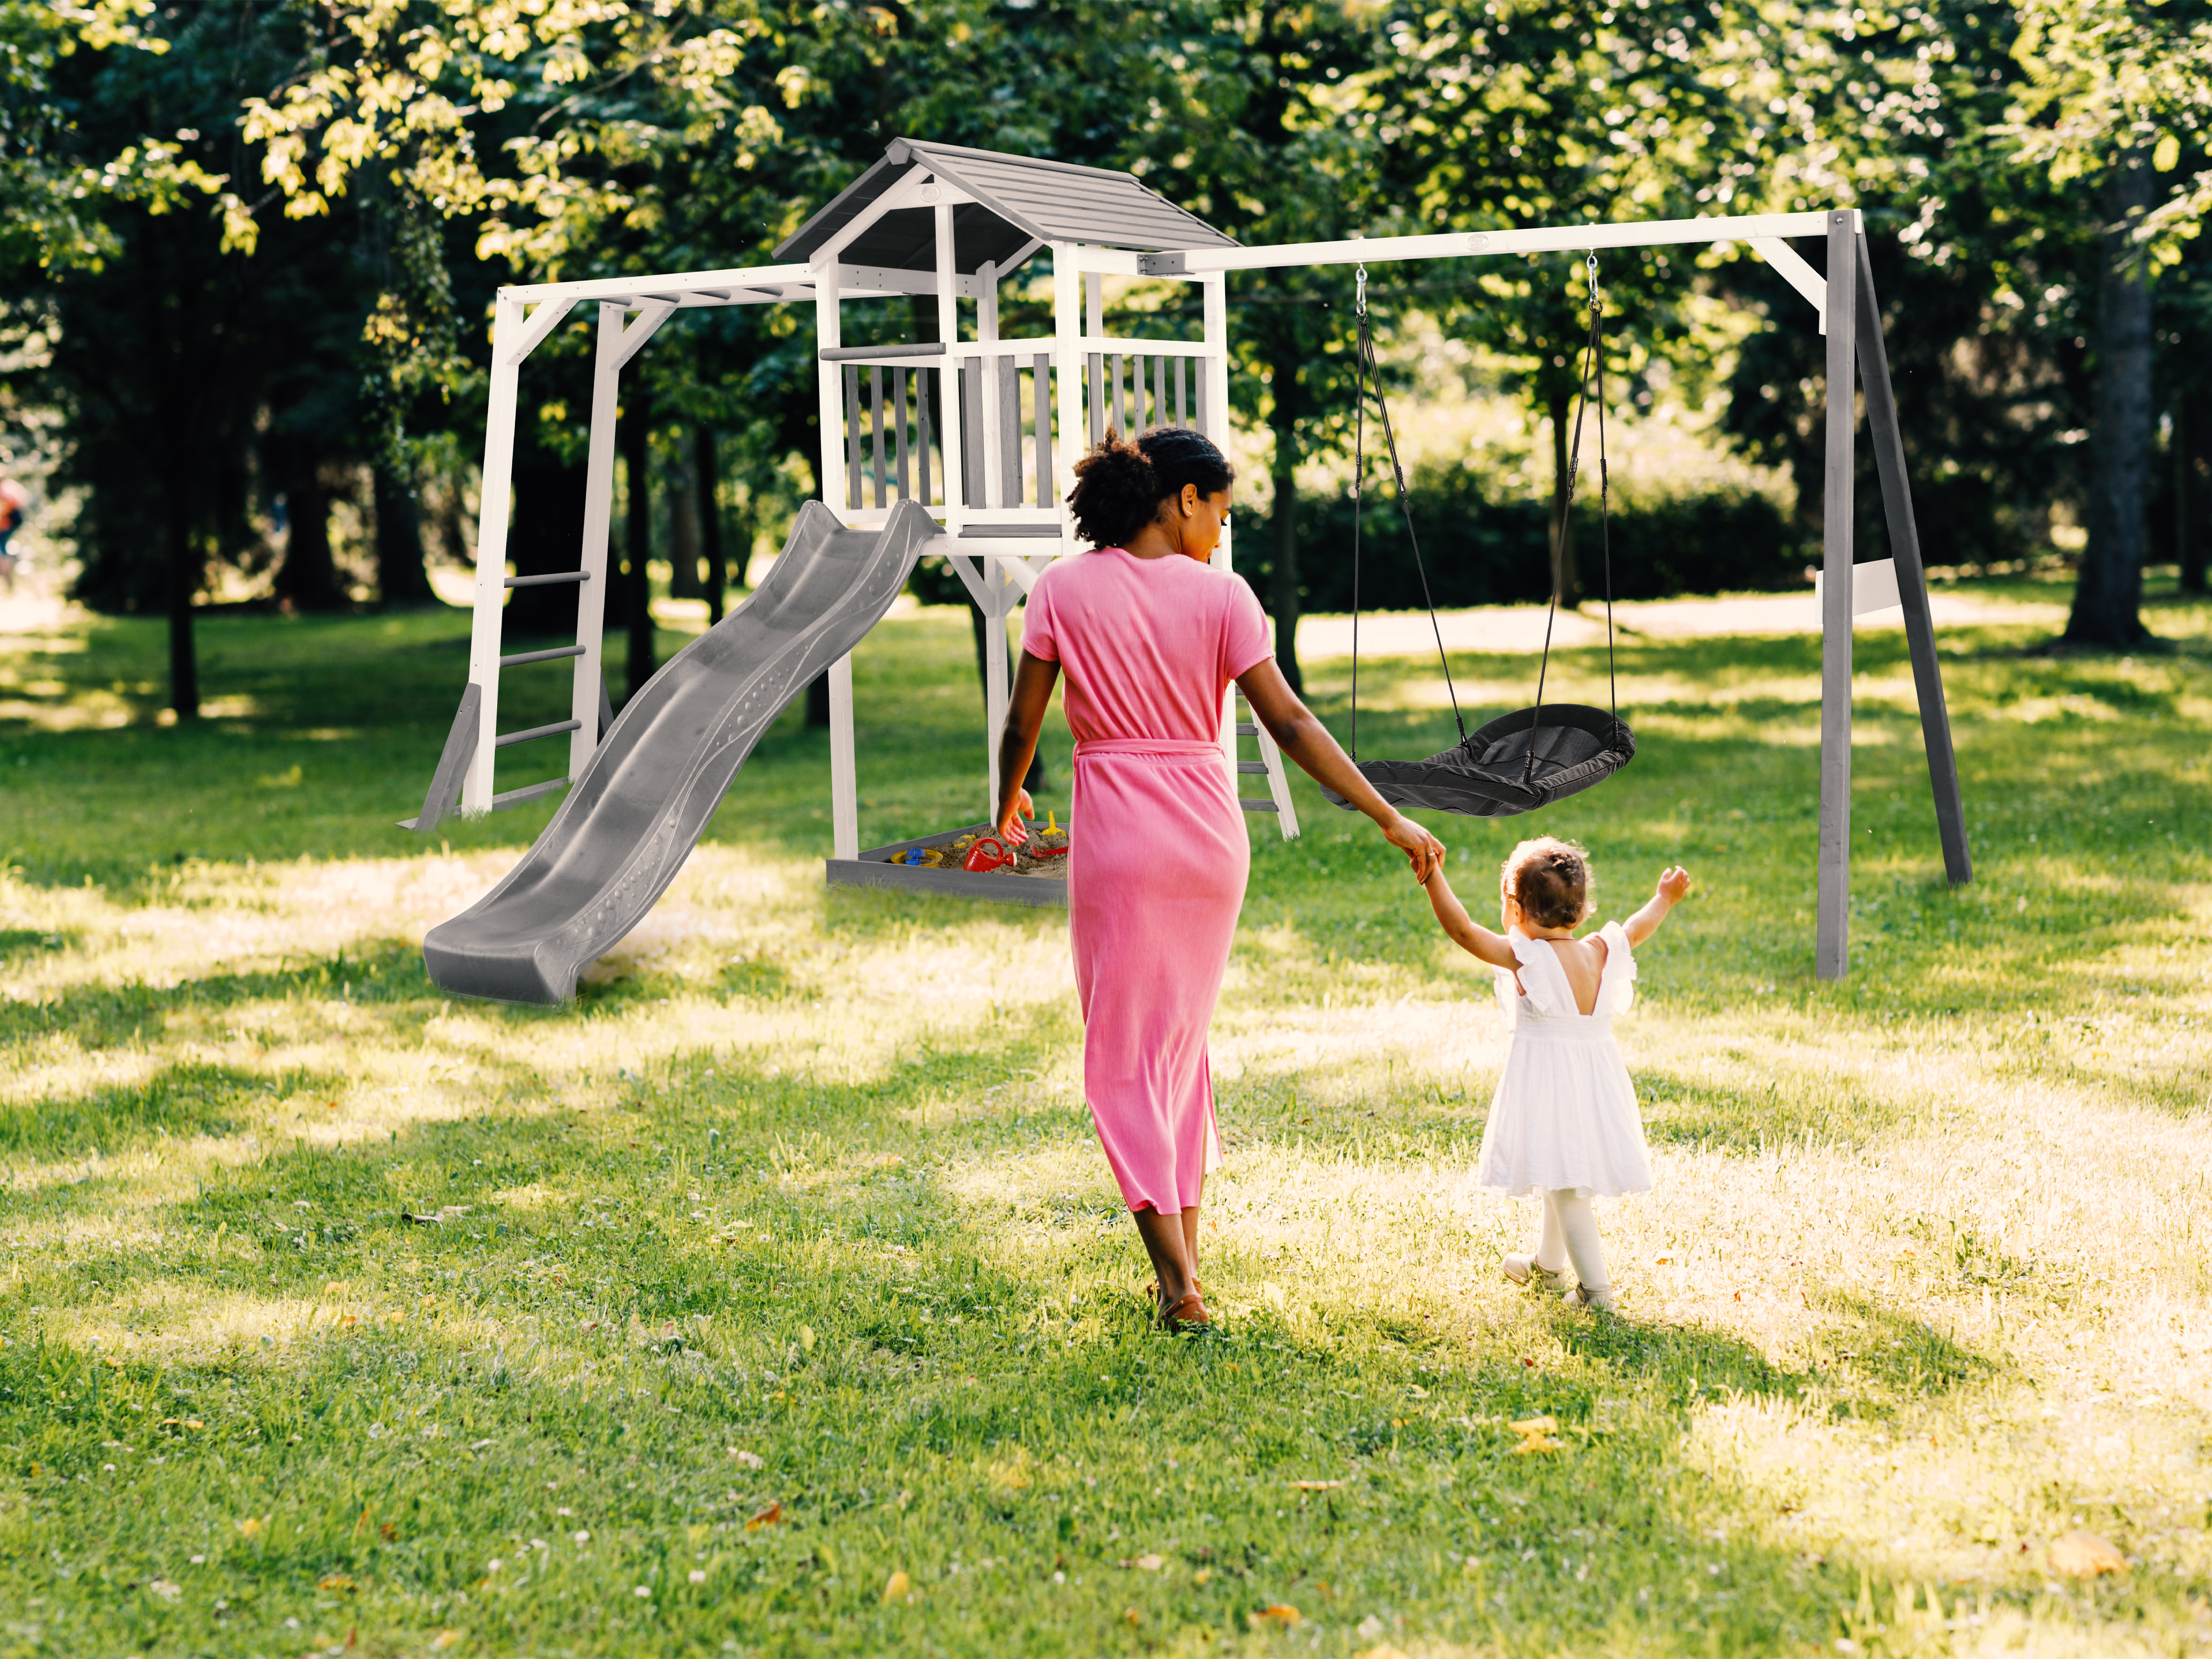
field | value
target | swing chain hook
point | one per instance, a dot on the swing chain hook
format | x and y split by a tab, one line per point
1359	293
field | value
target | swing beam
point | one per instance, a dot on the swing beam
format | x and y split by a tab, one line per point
1851	321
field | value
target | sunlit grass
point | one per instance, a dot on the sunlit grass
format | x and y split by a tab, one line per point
336	1308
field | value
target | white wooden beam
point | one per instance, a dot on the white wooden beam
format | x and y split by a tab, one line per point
1067	285
1790	266
682	281
598	513
494	507
549	316
948	382
651	315
1548	238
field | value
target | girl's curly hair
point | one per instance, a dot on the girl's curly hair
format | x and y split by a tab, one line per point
1551	881
1120	484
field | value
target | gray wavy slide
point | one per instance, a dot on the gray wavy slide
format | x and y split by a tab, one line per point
631	820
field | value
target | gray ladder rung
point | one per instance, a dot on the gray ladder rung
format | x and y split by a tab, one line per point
1252	766
1251	806
522	657
548	581
535	731
529	791
1247	729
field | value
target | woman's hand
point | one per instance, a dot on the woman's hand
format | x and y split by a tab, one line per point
1422	850
1010	823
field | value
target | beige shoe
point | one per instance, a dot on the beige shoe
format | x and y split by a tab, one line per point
1522	1269
1582	1296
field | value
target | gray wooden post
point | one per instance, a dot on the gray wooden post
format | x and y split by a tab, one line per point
1911	578
1832	929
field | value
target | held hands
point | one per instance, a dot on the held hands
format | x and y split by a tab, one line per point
1010	825
1423	851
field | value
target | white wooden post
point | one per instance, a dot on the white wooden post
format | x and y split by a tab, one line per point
844	782
987	333
1214	291
948	378
598	508
828	335
494	509
1067	370
1832	906
1000	587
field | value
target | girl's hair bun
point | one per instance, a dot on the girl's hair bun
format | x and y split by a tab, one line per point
1120	484
1550	879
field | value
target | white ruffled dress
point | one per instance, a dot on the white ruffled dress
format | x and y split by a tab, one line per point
1566	1112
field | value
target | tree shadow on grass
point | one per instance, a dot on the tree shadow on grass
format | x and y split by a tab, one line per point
190	1098
94	1015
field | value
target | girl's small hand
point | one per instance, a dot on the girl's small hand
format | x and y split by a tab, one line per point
1010	826
1673	884
1422	850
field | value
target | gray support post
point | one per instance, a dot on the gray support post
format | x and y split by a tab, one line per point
1911	579
1832	930
445	791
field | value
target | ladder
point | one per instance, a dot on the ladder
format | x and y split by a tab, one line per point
1269	766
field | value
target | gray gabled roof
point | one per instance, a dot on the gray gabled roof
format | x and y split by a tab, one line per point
1018	200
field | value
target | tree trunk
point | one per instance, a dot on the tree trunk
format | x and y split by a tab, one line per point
1563	525
400	577
2108	595
2177	448
637	540
2189	552
307	580
545	534
682	492
1283	589
184	572
707	474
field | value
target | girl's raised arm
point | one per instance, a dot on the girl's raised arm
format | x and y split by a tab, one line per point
1466	931
1673	883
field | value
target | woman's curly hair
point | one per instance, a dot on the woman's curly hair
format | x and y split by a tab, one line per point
1551	880
1120	484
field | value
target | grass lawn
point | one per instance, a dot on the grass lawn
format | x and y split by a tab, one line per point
775	1298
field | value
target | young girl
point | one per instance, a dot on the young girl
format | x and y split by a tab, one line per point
1564	1123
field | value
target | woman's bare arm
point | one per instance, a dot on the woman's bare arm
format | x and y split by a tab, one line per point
1470	935
1302	736
1025	710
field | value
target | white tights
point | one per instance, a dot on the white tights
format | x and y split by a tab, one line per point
1571	1235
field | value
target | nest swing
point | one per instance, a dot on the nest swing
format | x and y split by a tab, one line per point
1535	756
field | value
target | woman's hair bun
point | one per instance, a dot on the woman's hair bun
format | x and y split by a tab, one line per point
1120	484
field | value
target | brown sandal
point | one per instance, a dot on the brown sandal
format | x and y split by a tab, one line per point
1187	1315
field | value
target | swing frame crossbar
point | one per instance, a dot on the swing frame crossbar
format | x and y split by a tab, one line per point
1851	319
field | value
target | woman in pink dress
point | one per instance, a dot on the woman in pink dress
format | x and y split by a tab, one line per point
1150	638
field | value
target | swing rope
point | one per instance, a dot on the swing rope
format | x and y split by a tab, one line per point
1593	366
1507	767
1364	365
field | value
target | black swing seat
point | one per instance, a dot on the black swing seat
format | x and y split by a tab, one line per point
1487	773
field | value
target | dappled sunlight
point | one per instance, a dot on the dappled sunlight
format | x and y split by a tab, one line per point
798	1203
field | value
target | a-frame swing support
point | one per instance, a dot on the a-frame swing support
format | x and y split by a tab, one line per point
1852	320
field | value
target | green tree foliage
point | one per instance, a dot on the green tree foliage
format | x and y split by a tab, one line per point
338	185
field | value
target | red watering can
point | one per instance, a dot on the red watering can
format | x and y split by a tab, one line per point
989	853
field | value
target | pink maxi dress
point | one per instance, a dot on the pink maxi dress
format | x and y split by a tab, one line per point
1158	856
